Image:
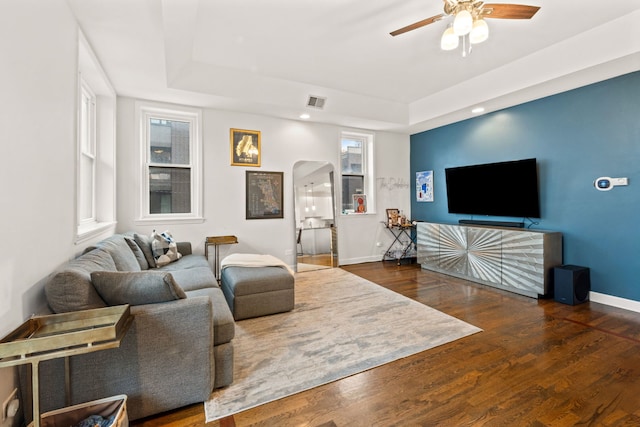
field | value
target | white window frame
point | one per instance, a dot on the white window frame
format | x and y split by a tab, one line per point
367	140
193	116
100	127
87	148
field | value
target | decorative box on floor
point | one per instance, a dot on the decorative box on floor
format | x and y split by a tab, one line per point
257	285
111	408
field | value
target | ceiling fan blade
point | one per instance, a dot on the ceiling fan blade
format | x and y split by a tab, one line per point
508	11
417	25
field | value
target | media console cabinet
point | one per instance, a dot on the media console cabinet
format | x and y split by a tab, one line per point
517	260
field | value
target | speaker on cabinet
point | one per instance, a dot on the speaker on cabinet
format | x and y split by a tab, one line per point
571	284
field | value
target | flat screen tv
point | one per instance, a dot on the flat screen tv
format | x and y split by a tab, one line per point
507	189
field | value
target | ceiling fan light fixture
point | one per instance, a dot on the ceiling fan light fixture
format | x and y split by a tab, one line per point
462	23
449	40
479	32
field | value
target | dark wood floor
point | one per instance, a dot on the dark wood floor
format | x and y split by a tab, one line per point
537	363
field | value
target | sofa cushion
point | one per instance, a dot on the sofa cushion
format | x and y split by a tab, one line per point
145	246
194	278
137	252
164	248
136	288
188	262
223	323
70	287
121	253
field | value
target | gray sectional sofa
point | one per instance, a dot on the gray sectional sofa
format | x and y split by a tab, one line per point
178	348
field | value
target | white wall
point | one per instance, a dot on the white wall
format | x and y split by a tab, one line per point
284	142
38	83
38	47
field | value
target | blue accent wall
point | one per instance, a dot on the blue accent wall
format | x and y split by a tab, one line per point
576	136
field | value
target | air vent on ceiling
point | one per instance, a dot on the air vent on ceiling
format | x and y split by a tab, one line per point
316	102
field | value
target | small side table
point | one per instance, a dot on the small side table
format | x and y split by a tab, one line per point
405	237
217	241
63	335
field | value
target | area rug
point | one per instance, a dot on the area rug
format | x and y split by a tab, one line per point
341	325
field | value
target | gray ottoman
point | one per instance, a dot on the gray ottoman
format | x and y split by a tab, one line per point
257	291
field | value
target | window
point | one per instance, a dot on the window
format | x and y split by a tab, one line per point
87	163
95	158
170	146
356	170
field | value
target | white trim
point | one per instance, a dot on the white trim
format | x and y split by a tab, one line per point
164	219
87	232
614	301
360	260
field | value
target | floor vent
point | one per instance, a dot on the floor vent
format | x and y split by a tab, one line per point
316	102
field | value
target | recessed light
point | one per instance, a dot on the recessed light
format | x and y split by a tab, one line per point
478	110
305	116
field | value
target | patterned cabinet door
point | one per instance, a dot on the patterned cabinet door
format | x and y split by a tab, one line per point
428	244
523	260
484	249
453	249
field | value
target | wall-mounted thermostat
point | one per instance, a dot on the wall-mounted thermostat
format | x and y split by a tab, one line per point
605	183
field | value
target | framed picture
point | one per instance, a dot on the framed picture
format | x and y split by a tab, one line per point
392	217
245	147
424	186
359	203
264	195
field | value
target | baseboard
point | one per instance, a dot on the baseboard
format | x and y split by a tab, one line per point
613	301
361	260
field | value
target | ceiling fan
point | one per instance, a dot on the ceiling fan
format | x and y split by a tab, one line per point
469	24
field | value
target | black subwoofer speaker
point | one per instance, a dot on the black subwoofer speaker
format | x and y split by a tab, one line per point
571	284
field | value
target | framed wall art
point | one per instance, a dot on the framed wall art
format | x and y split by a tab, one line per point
264	195
245	147
424	186
392	217
359	203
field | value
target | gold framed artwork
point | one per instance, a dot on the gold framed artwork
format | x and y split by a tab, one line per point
245	147
392	217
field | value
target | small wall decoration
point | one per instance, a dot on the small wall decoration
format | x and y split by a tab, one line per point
264	195
424	186
245	147
392	217
359	203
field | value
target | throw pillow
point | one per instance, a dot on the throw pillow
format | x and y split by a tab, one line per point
144	264
70	288
136	288
145	247
164	248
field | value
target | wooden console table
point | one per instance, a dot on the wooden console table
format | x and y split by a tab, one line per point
63	335
216	241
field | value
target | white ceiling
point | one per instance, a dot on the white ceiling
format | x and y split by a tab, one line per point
267	56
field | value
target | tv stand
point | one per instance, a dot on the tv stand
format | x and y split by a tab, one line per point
515	260
511	224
